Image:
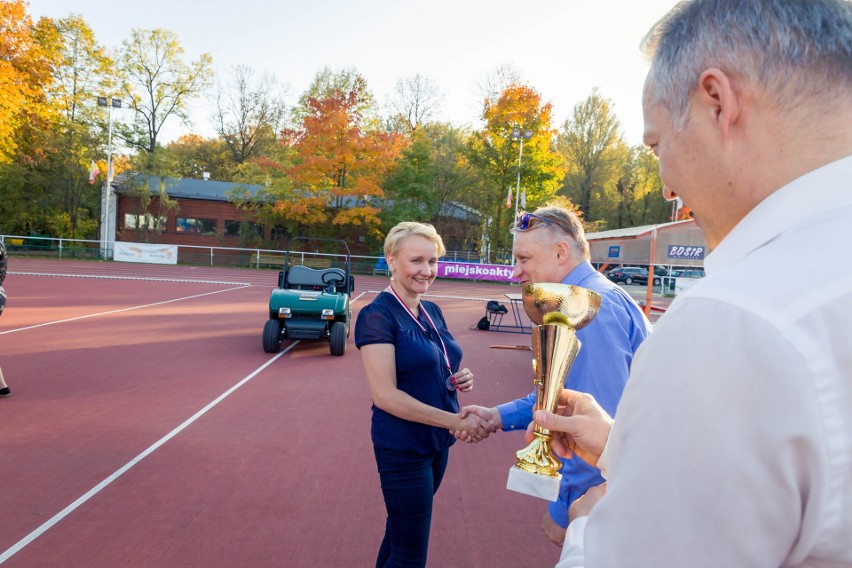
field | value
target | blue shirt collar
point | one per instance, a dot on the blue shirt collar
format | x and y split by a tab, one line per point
580	273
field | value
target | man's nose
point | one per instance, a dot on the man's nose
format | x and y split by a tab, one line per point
668	194
517	271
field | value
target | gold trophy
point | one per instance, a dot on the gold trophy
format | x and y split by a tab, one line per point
559	310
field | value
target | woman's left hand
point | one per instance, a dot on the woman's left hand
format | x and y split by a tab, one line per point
463	380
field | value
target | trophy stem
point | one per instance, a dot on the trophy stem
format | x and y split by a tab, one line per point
539	457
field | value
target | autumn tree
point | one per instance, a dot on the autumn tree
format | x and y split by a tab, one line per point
416	101
339	165
589	141
328	82
157	84
494	152
250	111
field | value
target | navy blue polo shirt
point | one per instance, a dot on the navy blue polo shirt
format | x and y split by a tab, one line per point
420	371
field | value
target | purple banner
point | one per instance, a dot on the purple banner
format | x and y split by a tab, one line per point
475	271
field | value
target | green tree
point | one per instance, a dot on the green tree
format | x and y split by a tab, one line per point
193	155
590	141
157	84
640	191
431	173
81	71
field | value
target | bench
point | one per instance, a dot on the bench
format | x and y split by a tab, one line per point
321	262
270	260
381	267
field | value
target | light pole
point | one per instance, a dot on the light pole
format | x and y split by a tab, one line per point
107	220
518	134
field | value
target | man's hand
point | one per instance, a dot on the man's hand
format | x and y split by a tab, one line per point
582	506
579	426
554	532
488	418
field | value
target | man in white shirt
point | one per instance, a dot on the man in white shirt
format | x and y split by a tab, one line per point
733	443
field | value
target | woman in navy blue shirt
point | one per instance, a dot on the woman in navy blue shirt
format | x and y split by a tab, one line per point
412	365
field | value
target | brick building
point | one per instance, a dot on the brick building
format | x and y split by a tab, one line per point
204	216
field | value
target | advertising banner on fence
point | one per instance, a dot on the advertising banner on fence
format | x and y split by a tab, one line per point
139	252
474	271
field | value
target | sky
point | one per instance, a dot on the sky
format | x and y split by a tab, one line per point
561	48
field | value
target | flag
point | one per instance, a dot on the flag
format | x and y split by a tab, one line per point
524	199
509	199
93	172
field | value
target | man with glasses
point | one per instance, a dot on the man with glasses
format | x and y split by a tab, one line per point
550	246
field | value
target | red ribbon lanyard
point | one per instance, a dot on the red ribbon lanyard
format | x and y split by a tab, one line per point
420	325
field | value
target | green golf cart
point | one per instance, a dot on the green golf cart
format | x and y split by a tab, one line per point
310	303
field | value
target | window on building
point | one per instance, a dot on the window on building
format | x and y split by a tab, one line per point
144	222
249	229
192	226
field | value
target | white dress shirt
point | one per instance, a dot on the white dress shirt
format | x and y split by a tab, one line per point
733	443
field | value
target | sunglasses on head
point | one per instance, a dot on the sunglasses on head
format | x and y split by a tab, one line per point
525	220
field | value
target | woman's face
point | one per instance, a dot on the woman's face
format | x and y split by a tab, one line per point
414	265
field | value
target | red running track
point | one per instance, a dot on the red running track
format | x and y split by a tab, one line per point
147	427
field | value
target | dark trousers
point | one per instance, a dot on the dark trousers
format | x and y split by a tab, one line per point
409	481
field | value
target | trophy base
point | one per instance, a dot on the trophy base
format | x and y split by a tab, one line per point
540	486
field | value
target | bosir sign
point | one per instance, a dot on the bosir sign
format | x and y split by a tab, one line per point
474	271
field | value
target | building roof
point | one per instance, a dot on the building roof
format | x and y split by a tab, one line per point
634	232
186	188
208	190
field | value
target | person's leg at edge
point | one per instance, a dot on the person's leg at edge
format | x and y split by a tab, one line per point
409	482
4	390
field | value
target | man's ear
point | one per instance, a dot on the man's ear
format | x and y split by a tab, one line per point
719	98
563	251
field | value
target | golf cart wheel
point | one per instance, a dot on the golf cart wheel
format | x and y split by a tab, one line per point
338	338
272	336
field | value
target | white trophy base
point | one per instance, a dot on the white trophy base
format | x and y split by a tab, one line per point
540	486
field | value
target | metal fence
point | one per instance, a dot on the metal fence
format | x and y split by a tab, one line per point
53	247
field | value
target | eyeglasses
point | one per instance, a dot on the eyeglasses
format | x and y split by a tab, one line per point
525	221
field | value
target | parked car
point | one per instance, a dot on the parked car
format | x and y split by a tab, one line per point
688	273
659	273
627	274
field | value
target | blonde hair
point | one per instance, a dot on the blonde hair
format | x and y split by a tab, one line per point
409	229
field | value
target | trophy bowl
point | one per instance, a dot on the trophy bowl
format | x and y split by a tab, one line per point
577	306
559	310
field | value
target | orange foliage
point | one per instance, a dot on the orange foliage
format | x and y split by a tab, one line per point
335	160
24	69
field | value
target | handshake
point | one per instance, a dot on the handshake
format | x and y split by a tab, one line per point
579	426
477	423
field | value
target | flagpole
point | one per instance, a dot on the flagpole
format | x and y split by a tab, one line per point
517	133
107	220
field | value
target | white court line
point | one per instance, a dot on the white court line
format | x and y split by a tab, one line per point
116	277
119	310
97	488
14	549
